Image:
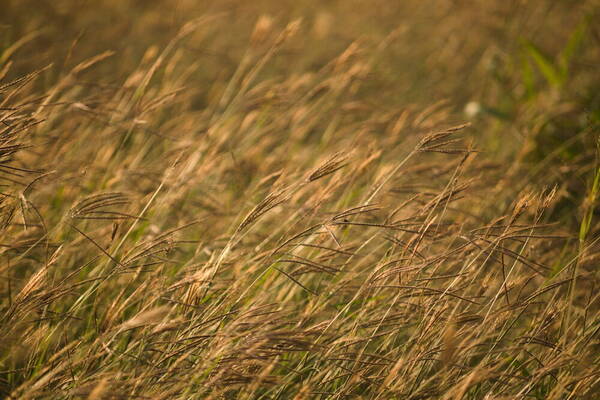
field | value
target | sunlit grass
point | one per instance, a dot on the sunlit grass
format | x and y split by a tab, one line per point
295	200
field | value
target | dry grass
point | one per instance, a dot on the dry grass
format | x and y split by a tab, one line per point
192	208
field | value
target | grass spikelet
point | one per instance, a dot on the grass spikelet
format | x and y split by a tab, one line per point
336	162
99	207
271	201
441	142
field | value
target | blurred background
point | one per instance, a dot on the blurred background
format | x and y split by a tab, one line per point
525	73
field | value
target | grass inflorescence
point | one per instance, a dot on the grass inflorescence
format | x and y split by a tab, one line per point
284	200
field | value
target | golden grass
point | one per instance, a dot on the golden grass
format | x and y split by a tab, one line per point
284	200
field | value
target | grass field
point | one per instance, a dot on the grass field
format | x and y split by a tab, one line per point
299	199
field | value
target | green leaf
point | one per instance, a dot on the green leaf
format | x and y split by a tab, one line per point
528	77
544	63
573	45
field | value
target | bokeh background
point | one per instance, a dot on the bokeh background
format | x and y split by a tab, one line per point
527	69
